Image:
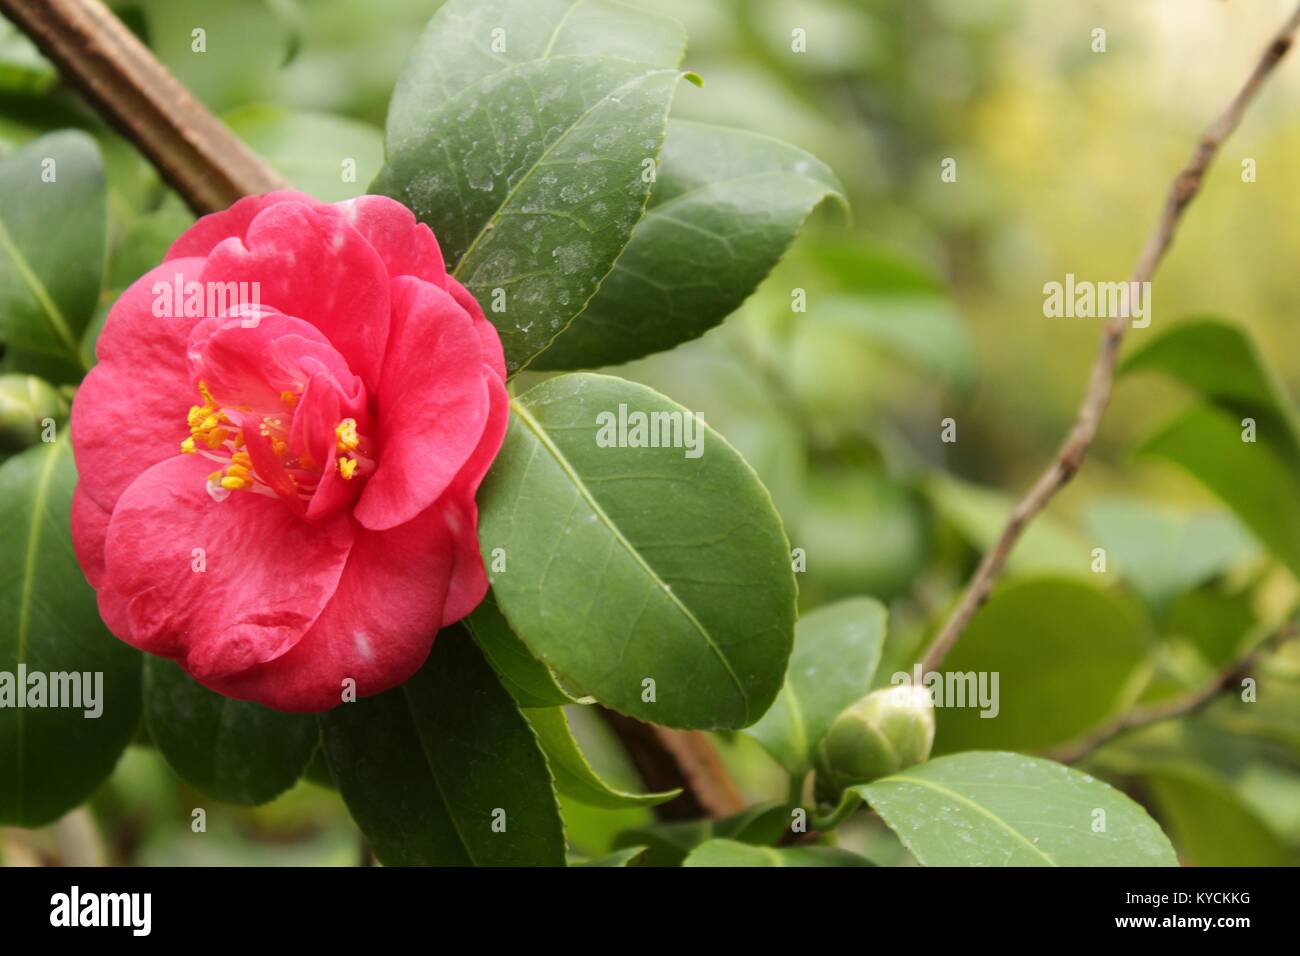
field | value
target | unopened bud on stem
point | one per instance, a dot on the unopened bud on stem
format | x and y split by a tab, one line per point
887	731
26	403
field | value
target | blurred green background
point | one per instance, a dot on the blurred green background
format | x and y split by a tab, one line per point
925	305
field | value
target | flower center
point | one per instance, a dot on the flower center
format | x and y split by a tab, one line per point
260	450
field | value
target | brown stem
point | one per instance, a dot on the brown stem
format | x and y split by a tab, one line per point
1167	710
193	150
671	759
1075	448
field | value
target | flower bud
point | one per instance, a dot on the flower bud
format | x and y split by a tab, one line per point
887	731
25	403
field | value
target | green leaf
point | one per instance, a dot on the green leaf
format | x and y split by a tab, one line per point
234	750
1257	480
142	246
836	652
1066	656
866	291
1004	809
924	329
860	530
625	857
313	151
52	758
427	768
1220	362
668	844
979	515
729	853
456	53
1210	824
245	45
574	776
726	206
22	68
530	165
631	564
52	236
1163	551
529	681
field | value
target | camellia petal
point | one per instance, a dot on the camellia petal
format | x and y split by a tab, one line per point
204	236
468	578
89	531
130	409
309	262
218	585
434	402
494	355
407	247
376	631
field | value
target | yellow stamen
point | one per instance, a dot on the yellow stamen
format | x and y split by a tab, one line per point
234	483
347	434
346	467
187	446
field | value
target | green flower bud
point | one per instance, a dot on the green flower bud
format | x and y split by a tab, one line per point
887	731
25	403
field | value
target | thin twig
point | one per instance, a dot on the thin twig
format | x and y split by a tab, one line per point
194	151
1072	452
678	759
1183	706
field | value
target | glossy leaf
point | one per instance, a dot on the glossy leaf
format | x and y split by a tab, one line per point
668	844
574	776
53	221
1219	361
234	750
529	681
725	208
636	564
836	652
1067	657
52	758
527	147
1004	809
427	768
729	853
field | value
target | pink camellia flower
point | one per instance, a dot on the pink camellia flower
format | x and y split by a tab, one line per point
279	493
